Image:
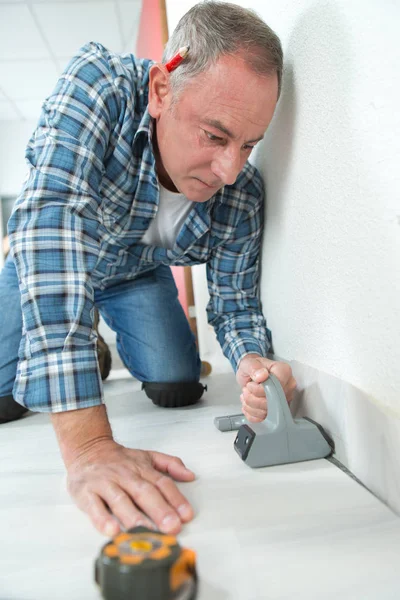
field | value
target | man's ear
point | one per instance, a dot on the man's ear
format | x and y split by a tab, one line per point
159	89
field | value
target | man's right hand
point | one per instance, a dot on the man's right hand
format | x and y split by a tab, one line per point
108	480
135	485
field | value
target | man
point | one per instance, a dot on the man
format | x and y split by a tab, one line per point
134	168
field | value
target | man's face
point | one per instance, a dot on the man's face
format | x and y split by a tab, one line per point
205	137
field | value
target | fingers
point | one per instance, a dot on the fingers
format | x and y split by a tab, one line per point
148	497
281	370
284	373
129	488
290	389
254	402
172	465
101	518
176	499
253	398
254	389
112	501
158	497
259	375
123	508
254	412
161	503
252	418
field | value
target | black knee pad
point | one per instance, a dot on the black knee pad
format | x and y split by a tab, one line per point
10	410
174	395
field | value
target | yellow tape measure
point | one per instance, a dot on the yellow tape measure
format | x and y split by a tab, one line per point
144	564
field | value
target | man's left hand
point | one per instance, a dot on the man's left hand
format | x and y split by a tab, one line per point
253	371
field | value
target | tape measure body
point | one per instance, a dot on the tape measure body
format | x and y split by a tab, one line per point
142	564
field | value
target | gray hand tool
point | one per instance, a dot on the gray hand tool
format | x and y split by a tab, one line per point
280	438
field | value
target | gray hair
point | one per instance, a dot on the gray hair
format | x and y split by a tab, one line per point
214	29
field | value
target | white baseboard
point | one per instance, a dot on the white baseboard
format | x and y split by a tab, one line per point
366	435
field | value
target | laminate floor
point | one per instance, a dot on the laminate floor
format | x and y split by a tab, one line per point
298	531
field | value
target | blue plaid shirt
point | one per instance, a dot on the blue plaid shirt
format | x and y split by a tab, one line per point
91	193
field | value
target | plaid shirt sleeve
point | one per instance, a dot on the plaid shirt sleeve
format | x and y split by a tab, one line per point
234	308
54	240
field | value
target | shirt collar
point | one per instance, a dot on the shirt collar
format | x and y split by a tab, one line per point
146	126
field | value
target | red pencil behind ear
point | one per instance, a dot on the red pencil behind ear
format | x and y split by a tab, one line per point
177	59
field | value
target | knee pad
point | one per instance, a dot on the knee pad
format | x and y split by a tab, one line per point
174	395
10	410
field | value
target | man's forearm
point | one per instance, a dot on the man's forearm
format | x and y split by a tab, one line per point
79	430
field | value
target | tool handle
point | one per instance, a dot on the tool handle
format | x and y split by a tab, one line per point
279	414
230	422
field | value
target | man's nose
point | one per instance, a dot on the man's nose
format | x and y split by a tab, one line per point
226	165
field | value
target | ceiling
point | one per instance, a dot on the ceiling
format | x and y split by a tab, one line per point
38	38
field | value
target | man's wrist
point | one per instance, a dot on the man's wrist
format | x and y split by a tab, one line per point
80	431
248	356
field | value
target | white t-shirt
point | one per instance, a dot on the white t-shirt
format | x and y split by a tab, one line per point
173	210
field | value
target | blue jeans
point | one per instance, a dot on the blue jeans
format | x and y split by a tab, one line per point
154	339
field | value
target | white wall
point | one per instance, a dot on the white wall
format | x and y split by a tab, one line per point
330	282
330	276
14	136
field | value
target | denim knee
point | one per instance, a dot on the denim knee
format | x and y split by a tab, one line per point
10	326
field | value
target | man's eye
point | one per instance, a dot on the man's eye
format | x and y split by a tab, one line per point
211	137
